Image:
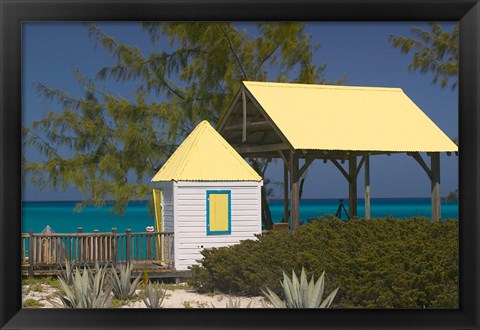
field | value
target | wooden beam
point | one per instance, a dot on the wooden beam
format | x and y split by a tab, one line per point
303	170
250	125
422	163
367	185
359	167
345	174
294	191
224	119
285	158
435	185
267	117
260	149
244	129
352	187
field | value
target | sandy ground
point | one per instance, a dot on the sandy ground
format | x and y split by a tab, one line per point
179	297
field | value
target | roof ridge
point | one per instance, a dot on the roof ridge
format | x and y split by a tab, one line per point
208	128
319	86
183	164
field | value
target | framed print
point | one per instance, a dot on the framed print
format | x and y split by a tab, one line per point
198	164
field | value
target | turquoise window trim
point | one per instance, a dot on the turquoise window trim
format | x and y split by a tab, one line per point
224	232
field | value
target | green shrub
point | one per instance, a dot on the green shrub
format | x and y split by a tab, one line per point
379	263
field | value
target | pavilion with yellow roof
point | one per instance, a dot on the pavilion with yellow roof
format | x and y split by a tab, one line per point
300	123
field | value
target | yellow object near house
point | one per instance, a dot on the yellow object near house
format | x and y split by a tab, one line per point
157	204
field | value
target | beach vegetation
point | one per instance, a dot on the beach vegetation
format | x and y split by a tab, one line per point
36	287
88	290
45	280
118	303
32	303
301	293
145	277
123	287
236	303
195	304
153	295
66	271
379	263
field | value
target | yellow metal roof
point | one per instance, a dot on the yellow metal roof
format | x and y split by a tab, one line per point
349	118
205	156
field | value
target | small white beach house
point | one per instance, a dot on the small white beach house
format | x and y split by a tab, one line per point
211	197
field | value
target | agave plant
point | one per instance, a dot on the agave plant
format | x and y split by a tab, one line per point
123	288
66	272
301	294
236	303
153	295
88	289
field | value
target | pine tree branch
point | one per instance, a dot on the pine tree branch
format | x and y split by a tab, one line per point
233	51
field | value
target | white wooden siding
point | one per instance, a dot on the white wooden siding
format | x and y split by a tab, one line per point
167	205
191	218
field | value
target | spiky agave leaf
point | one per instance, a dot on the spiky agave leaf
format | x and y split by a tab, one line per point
66	271
87	290
304	288
300	293
237	303
274	299
153	295
328	301
123	288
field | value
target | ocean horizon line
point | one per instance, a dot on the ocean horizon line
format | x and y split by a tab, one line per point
272	199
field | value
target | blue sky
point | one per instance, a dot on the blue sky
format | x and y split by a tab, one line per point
359	51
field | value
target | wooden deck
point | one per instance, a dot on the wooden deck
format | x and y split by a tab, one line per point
43	254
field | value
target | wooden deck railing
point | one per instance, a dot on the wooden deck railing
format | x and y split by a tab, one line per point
51	250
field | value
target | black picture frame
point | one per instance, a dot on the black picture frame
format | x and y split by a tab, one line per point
14	12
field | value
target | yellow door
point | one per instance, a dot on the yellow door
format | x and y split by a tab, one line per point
218	212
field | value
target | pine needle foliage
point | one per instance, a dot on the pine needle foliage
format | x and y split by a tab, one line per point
434	51
108	146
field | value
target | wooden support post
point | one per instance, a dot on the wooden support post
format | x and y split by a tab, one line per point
128	245
114	247
149	246
95	246
294	191
80	245
285	191
352	187
30	253
367	186
435	180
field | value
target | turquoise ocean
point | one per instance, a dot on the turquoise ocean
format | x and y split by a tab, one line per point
63	219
